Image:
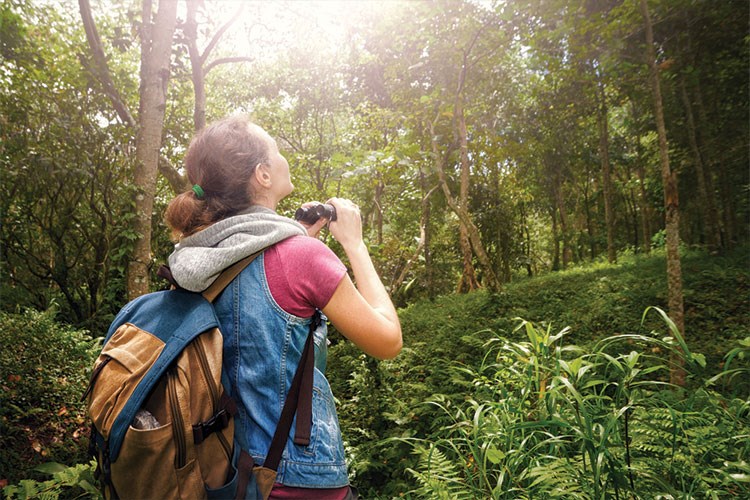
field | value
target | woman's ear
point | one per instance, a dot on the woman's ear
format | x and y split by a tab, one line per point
262	175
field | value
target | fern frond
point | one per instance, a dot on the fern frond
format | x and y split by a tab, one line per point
438	476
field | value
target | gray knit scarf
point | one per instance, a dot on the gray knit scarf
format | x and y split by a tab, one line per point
199	259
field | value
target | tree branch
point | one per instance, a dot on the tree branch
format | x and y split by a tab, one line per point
217	36
225	60
178	182
100	69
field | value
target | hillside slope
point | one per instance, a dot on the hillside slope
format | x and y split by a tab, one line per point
600	300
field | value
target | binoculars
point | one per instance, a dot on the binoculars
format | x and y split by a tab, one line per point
310	215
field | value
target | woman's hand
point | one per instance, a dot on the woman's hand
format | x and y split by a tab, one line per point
364	314
347	228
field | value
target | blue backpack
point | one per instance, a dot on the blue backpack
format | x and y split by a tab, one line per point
162	423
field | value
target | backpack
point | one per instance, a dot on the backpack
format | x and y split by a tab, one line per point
162	424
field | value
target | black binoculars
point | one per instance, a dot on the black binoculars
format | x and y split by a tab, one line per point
310	215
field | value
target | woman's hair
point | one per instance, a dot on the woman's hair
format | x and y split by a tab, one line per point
221	160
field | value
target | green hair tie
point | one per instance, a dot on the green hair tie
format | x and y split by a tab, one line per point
199	193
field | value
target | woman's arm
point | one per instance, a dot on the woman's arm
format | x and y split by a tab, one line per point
365	314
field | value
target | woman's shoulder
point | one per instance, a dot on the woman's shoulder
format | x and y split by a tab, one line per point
302	274
305	254
302	244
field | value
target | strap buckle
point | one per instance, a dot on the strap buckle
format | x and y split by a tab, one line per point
218	422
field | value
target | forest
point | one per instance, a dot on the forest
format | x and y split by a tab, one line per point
555	193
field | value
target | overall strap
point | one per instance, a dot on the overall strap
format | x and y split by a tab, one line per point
298	400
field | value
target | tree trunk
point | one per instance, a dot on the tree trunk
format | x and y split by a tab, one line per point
198	61
379	189
590	231
555	239
671	203
468	280
609	214
729	210
525	236
196	66
712	166
711	225
633	205
155	56
463	214
567	252
701	148
426	211
156	49
645	208
643	202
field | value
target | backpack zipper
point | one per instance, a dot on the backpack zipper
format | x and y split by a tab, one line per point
177	423
203	361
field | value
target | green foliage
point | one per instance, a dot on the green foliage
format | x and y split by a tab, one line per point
66	482
542	411
589	424
44	369
65	196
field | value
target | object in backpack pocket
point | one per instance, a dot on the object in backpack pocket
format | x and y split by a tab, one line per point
145	420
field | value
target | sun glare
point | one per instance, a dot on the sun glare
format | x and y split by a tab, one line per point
266	27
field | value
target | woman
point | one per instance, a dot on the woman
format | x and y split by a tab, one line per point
239	177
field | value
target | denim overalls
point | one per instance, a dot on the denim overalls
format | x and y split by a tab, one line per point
262	347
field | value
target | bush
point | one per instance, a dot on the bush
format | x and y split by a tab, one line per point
43	373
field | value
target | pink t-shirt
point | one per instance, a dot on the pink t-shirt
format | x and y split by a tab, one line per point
302	274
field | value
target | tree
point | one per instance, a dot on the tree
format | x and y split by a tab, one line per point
156	49
200	62
156	36
671	198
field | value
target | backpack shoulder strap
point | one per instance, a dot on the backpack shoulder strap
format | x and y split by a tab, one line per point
226	277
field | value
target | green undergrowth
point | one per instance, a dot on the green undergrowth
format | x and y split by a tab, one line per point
600	300
436	389
44	369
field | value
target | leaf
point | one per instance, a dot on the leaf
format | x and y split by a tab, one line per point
700	359
89	488
50	467
495	456
29	488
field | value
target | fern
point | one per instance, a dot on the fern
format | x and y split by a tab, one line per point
555	477
77	481
440	480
